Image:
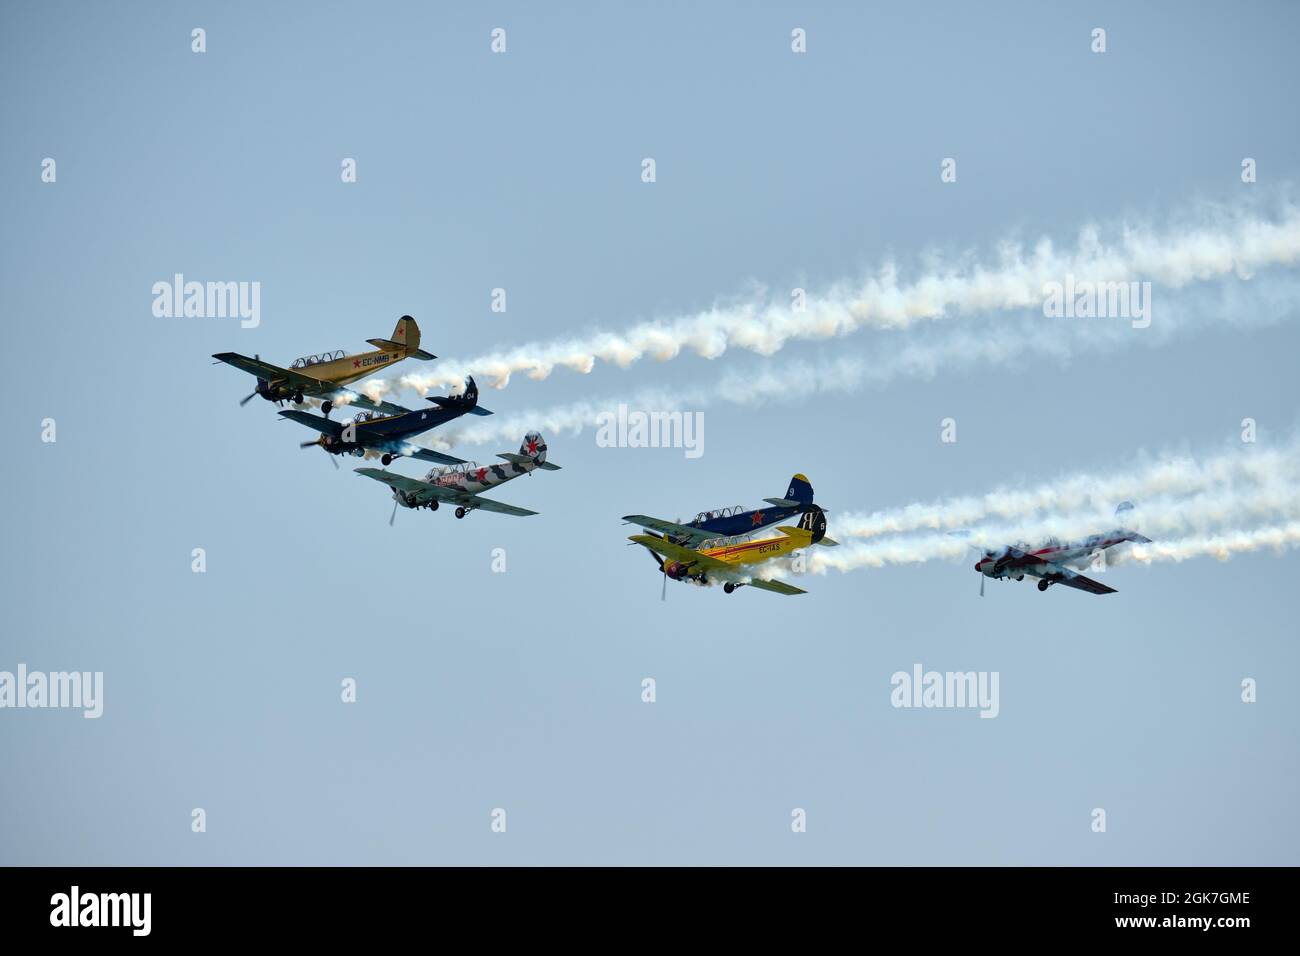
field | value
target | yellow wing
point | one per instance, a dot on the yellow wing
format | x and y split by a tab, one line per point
678	553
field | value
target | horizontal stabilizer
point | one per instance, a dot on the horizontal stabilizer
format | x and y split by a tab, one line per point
388	345
782	502
829	542
479	410
525	460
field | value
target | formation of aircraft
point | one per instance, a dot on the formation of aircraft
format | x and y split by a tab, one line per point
387	435
1054	562
385	429
324	376
716	547
460	483
730	561
724	522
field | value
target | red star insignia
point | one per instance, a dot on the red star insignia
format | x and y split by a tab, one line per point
758	518
481	474
356	363
532	446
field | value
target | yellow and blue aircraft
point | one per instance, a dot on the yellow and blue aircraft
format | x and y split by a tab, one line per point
725	560
323	376
726	522
388	435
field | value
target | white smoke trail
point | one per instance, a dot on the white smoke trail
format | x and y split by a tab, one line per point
1249	497
1227	242
1277	539
955	349
1181	475
924	548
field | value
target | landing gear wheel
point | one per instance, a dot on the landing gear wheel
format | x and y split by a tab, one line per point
387	459
1020	577
460	512
297	397
327	408
433	506
1044	585
728	587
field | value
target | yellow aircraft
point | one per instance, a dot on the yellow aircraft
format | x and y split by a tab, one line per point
725	559
323	376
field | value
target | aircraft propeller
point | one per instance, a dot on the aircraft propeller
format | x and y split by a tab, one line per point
321	442
394	514
663	591
245	401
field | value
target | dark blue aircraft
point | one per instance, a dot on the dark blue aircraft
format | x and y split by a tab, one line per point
731	522
388	435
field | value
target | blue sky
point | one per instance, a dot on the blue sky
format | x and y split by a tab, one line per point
522	690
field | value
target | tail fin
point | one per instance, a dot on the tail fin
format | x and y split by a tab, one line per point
814	519
407	333
532	450
407	337
534	447
800	490
1126	512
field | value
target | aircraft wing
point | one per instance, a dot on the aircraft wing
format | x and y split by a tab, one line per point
323	425
393	479
679	553
780	587
272	373
1073	579
346	396
693	536
487	504
428	454
427	490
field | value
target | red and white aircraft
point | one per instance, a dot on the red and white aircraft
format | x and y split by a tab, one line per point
1054	562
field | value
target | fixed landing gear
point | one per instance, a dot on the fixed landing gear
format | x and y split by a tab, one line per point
460	512
1020	577
1044	584
327	407
387	459
433	505
297	397
728	587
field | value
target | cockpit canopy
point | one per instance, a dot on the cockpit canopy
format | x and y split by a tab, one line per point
461	469
725	541
309	360
704	516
